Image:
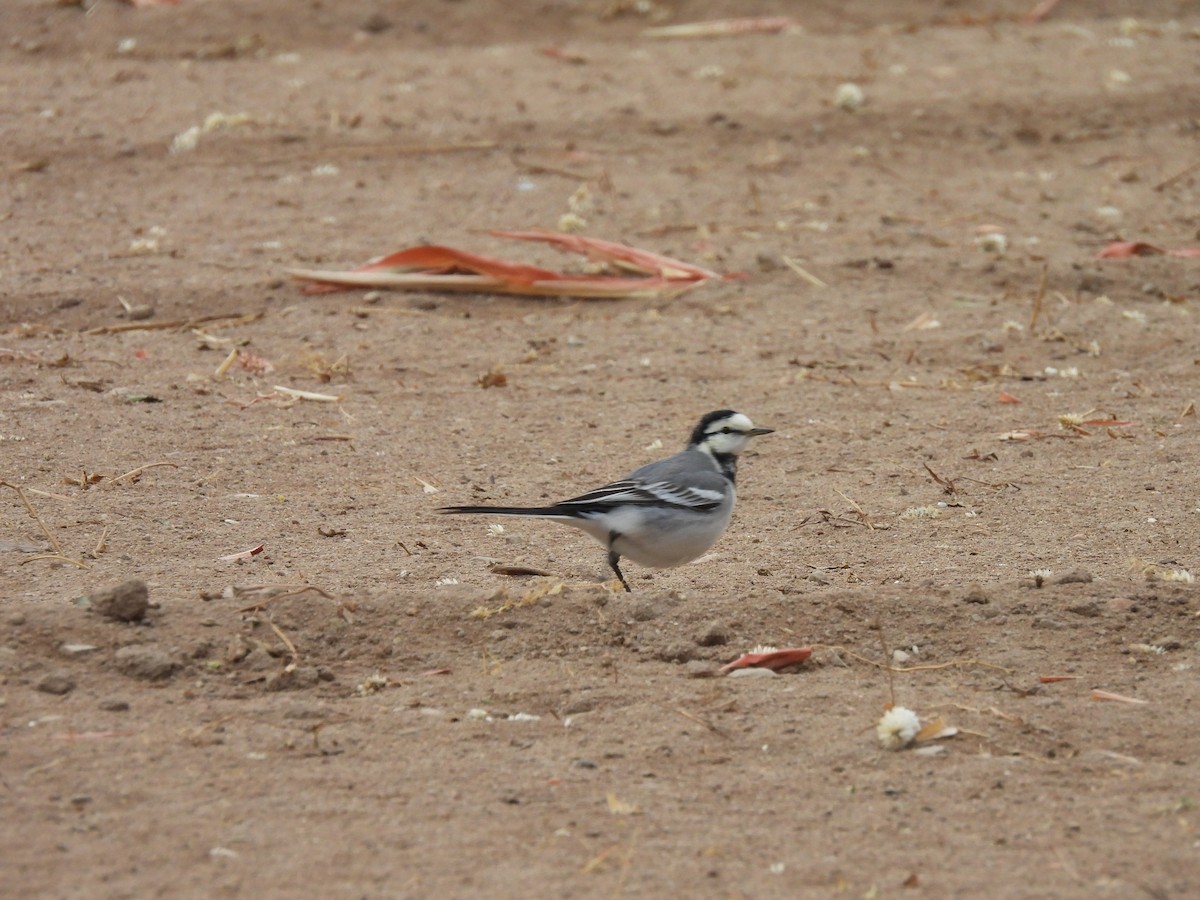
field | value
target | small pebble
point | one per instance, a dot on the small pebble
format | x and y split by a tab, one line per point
701	668
931	750
645	610
76	649
145	661
753	673
57	683
113	705
976	594
295	679
677	653
715	635
582	705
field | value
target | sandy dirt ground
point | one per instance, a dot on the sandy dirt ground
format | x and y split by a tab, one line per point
978	478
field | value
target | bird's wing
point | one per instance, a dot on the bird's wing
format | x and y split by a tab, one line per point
635	492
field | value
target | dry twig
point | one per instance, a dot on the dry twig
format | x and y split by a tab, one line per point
136	473
182	324
42	525
927	667
1039	297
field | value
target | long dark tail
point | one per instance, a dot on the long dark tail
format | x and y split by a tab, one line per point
502	510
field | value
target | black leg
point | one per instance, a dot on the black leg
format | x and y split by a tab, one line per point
614	558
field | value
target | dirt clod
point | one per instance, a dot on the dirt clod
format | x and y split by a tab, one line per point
715	634
145	661
976	594
126	602
676	652
293	679
1089	609
1078	576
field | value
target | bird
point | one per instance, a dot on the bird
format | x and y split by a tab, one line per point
667	512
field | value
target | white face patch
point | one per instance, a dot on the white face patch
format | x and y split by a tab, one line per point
738	422
729	435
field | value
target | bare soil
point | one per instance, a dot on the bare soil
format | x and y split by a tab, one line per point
423	726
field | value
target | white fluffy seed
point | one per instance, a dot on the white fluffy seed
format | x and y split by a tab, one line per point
897	728
849	96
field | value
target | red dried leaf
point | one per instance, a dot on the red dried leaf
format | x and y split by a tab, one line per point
1039	11
1126	249
435	267
611	252
433	259
558	53
775	659
245	554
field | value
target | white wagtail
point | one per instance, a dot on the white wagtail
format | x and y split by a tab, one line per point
664	514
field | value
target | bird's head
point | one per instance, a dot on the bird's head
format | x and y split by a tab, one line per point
724	433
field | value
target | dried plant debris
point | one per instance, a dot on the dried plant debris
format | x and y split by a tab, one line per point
432	267
537	589
722	28
1162	571
1111	697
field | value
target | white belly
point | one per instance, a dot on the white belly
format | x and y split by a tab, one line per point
670	539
